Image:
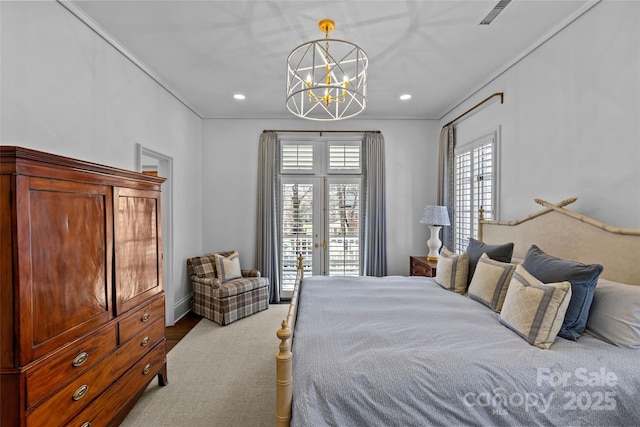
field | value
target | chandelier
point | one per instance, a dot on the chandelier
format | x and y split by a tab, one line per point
325	84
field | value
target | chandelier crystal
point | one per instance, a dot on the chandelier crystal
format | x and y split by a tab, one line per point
327	78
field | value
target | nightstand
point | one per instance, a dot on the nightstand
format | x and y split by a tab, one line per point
420	266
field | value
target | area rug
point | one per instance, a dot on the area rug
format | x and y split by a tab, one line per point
218	376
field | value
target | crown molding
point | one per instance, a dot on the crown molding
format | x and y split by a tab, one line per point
106	36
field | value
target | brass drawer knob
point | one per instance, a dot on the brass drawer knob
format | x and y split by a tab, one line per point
80	392
144	342
145	317
146	369
80	359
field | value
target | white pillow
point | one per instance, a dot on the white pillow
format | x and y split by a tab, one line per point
615	314
535	310
452	270
228	268
490	282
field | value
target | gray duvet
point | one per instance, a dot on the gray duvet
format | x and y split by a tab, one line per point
402	351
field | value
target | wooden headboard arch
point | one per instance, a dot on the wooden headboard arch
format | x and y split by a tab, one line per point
569	235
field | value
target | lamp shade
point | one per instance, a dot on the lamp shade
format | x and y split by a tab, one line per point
435	215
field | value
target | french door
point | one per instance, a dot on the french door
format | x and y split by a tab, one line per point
320	220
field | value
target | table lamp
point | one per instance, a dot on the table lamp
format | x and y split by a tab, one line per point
435	217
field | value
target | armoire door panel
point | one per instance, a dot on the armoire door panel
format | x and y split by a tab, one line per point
70	258
7	341
138	255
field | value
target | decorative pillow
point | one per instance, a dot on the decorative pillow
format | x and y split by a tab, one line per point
228	268
490	282
452	270
202	266
583	278
476	248
615	314
535	310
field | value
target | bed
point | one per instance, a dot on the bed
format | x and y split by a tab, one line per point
404	351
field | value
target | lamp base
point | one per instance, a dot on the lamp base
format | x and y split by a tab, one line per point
434	243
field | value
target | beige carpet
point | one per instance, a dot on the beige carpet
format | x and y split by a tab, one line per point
218	376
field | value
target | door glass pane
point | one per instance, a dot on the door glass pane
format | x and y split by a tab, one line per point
483	190
297	230
344	229
463	201
474	172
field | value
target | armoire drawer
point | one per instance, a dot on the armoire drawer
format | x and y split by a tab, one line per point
140	319
100	412
135	348
75	396
75	360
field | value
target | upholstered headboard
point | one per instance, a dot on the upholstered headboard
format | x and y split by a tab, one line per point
569	235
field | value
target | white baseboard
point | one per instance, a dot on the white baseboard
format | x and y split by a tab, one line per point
182	307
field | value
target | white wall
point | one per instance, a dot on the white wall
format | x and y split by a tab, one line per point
66	91
230	163
571	119
569	127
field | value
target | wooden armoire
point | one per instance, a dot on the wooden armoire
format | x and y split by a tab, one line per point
81	298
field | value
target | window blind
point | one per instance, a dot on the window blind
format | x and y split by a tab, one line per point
297	157
344	157
474	187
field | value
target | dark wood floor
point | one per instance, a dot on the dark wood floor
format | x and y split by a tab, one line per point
181	328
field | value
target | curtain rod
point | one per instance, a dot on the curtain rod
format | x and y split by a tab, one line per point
320	131
500	94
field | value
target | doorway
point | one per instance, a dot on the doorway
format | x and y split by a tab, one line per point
151	162
320	209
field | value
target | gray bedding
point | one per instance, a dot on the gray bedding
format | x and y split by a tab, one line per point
402	351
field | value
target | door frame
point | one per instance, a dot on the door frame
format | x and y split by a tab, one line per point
165	170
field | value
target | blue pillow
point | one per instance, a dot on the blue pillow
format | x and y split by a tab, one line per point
583	279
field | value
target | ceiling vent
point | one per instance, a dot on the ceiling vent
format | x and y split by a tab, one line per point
497	10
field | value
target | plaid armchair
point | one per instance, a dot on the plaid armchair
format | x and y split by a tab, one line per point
226	302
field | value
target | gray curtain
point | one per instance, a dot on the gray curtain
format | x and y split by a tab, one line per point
374	204
445	180
267	249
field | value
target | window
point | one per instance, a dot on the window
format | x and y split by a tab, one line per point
320	208
475	171
344	227
297	158
297	230
344	157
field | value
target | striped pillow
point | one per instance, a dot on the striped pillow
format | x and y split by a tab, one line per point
535	310
490	282
228	268
452	270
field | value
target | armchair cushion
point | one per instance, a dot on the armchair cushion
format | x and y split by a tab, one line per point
240	286
228	266
202	266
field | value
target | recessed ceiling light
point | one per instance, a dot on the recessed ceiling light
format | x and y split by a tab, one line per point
239	96
405	97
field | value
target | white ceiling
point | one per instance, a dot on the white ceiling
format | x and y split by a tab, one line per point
205	51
